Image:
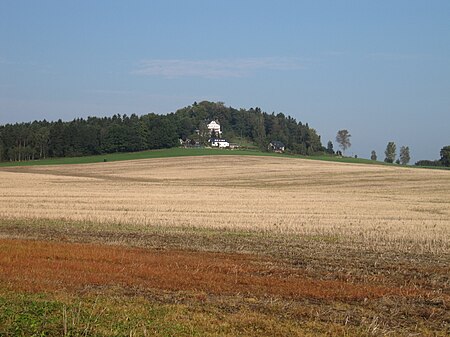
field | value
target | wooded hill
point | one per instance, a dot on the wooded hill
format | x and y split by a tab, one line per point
94	135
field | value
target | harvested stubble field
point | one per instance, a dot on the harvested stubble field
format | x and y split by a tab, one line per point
226	246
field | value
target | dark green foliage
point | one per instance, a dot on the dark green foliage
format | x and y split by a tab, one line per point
428	163
445	156
404	155
444	161
390	152
161	131
373	155
92	136
330	149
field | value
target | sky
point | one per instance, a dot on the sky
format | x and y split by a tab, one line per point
380	69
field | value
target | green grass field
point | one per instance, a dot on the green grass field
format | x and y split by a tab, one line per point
186	152
176	152
163	153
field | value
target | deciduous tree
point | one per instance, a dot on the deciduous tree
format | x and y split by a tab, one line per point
343	139
373	155
445	155
330	149
391	148
404	155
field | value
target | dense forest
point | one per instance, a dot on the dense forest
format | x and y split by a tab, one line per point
94	135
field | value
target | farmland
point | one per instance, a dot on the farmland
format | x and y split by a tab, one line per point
224	245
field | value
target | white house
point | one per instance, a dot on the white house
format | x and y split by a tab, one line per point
214	126
219	143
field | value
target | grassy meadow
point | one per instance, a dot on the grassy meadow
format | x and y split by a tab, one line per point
121	156
209	245
178	152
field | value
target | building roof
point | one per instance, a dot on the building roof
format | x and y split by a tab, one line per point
277	144
213	123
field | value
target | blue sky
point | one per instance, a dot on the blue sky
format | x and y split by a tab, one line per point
380	69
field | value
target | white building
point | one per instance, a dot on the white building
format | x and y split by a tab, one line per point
214	126
276	146
219	143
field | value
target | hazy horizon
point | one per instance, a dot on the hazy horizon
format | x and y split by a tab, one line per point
379	69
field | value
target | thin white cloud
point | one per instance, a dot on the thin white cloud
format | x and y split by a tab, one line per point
219	68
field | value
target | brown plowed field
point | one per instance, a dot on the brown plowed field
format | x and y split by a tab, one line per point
42	266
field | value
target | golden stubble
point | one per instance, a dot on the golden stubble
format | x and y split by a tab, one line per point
377	206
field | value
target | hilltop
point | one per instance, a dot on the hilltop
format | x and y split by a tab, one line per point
250	128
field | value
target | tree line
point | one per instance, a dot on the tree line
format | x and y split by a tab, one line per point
404	156
123	133
443	161
343	139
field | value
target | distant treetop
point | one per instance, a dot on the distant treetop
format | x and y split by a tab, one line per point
123	133
343	139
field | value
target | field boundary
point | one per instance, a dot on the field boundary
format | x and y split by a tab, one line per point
183	152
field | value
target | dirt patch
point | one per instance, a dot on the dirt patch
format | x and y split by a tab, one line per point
317	257
46	266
